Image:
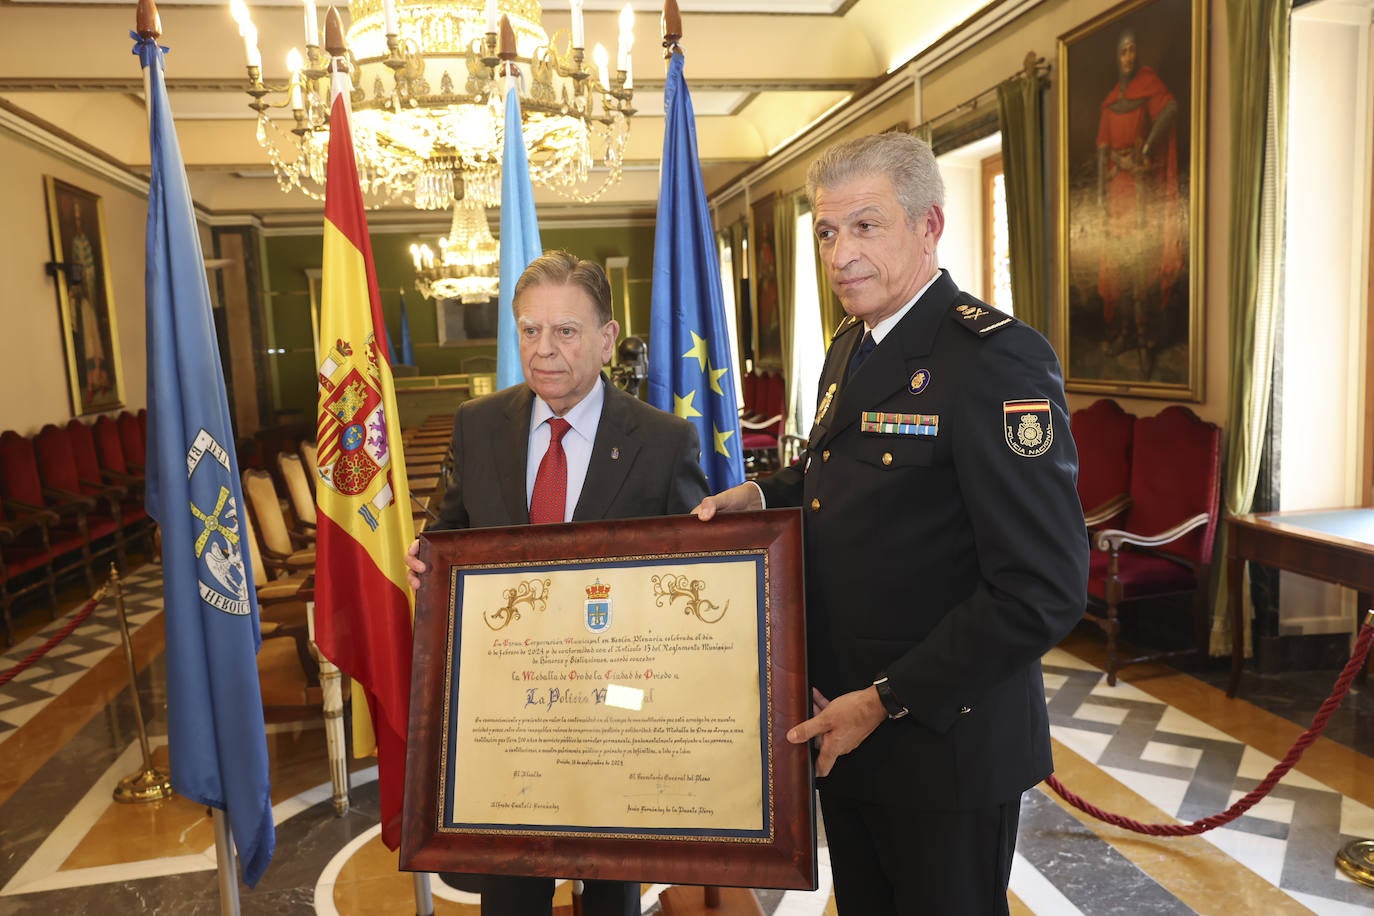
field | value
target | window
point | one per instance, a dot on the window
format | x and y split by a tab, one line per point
808	345
996	236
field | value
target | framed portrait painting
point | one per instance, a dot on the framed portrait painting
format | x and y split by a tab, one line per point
76	225
1132	129
767	309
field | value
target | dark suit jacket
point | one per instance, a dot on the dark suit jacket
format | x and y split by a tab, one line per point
952	561
643	463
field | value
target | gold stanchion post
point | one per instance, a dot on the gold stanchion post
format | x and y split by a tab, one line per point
150	783
1356	859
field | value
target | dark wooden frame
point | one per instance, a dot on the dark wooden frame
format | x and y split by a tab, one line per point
783	858
66	203
1171	38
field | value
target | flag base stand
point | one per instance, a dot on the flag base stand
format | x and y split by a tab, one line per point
147	785
1357	861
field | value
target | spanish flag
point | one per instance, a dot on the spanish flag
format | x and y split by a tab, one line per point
363	606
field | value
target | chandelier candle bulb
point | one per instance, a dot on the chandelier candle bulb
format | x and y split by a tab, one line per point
389	17
602	58
627	37
491	17
239	10
579	38
312	25
295	63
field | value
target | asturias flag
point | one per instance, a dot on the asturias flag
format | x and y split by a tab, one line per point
218	744
519	241
689	343
362	602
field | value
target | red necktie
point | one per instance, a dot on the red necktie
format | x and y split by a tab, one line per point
550	497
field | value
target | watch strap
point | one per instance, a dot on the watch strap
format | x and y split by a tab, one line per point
894	707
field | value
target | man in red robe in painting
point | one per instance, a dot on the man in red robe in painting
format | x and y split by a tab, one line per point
1137	187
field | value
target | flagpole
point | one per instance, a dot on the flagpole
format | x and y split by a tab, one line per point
226	865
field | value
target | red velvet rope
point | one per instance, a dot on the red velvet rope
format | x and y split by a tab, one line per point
57	637
1279	771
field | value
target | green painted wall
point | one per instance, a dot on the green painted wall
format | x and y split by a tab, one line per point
289	256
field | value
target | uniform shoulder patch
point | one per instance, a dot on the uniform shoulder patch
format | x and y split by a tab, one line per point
849	322
979	317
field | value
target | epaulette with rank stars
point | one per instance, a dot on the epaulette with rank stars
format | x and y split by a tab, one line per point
849	322
978	317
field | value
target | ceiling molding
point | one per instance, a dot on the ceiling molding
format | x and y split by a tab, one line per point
52	139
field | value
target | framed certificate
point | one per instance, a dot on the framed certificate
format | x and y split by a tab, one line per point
610	700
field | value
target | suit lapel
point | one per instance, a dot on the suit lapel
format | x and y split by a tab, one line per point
516	433
886	370
613	454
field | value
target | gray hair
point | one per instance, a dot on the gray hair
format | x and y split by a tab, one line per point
560	268
907	161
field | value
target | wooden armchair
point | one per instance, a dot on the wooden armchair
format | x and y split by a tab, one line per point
284	549
1104	434
1163	545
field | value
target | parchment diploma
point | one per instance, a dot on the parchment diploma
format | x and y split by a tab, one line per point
620	696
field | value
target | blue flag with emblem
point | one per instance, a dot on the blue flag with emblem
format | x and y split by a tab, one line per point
218	743
519	241
689	345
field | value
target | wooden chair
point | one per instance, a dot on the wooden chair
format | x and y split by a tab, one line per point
284	549
1163	546
298	492
1103	433
310	457
762	432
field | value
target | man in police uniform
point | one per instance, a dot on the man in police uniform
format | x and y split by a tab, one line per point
945	549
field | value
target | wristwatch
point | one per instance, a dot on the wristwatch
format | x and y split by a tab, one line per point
894	707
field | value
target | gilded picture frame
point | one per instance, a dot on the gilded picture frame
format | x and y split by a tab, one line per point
1131	211
85	299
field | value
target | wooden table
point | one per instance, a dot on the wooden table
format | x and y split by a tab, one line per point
1334	545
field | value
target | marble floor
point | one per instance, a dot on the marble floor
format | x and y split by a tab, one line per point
1161	746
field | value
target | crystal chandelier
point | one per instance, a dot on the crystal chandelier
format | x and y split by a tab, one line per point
469	258
429	80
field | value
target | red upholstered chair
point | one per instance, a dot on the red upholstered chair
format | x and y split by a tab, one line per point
762	432
61	480
1103	433
25	562
94	479
22	492
1163	545
131	441
110	452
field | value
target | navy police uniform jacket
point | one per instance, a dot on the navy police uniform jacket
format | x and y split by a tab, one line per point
945	547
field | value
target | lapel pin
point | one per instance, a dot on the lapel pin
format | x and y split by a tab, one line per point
615	454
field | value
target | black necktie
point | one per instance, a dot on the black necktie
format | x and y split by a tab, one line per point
866	346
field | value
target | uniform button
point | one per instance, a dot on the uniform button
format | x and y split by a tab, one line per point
815	505
825	455
887	458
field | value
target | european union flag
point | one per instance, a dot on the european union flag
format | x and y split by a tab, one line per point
217	740
519	241
689	345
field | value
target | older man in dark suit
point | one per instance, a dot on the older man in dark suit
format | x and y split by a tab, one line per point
565	446
945	549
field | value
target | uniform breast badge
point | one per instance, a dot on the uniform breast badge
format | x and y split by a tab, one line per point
1028	427
825	402
919	380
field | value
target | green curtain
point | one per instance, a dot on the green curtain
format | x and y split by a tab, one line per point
1020	108
832	313
785	255
1258	55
